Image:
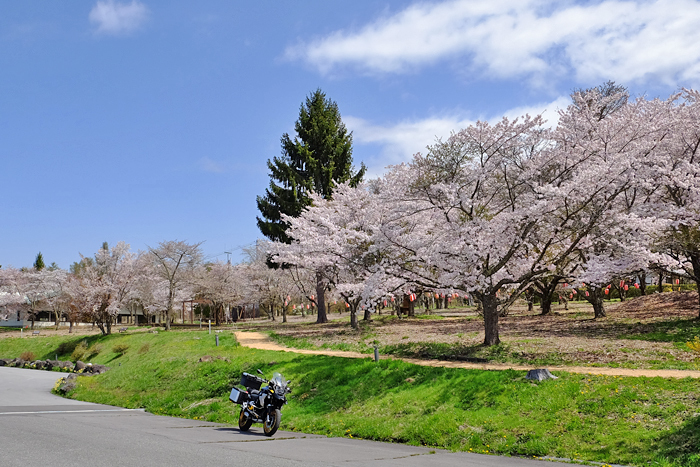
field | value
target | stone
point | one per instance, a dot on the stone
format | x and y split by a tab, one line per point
79	366
66	365
39	365
539	375
51	364
98	369
3	362
206	358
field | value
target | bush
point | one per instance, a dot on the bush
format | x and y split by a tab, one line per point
694	345
79	351
145	348
120	349
66	347
28	356
93	351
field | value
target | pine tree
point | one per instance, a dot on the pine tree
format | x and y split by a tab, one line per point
318	158
39	262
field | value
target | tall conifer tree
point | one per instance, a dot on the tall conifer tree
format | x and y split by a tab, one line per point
318	158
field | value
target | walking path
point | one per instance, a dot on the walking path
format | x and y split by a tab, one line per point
256	340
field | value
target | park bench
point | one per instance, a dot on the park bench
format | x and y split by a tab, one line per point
123	329
35	333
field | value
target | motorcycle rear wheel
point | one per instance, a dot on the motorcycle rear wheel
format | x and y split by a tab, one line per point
272	422
244	421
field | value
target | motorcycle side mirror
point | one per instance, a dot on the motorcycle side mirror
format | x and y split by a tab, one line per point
289	381
259	371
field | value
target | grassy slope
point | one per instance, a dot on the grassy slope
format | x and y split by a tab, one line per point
606	419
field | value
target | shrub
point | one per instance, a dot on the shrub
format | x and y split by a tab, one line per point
79	351
28	356
66	347
145	348
93	351
120	349
694	345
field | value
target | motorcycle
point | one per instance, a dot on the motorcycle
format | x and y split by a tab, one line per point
261	405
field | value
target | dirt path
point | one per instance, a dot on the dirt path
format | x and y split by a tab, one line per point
256	340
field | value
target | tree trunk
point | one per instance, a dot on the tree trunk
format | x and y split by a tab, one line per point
695	262
661	282
596	299
368	314
643	283
70	327
546	304
490	304
272	311
353	317
284	314
321	316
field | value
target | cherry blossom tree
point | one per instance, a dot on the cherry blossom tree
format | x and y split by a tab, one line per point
219	283
335	238
174	261
104	285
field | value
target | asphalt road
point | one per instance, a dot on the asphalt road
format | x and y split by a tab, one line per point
40	429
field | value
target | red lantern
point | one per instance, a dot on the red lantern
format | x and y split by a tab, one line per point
294	307
307	307
582	284
678	281
622	284
574	292
626	287
636	285
392	299
347	305
565	284
384	302
607	291
571	296
586	293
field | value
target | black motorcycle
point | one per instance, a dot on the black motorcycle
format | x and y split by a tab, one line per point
261	405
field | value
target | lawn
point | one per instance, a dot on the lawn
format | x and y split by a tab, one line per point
647	332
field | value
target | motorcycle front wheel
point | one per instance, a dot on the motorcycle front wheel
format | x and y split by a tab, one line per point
272	422
244	421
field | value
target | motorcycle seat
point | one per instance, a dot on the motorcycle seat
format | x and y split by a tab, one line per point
254	393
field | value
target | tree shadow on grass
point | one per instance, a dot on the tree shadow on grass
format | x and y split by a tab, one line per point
683	444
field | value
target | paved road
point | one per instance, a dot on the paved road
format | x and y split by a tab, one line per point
39	429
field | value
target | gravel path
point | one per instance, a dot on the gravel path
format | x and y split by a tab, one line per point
256	340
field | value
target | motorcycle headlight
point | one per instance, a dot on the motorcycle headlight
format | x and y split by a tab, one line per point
279	390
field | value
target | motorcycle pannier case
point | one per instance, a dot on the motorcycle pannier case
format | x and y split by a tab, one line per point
237	396
251	381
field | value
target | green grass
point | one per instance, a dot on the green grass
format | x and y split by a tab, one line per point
633	421
678	331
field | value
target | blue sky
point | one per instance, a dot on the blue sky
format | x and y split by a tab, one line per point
146	121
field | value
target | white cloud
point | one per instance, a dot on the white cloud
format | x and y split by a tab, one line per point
209	165
110	17
399	142
610	39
